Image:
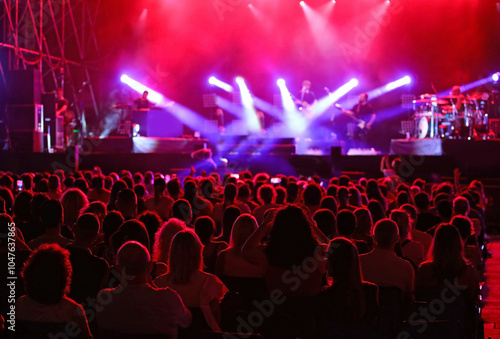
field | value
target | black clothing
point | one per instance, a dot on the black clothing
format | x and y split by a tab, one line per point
141	103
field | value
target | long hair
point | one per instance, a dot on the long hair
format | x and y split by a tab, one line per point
185	257
446	253
345	271
290	239
364	222
73	201
243	228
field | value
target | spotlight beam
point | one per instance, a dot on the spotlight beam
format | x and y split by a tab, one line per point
249	112
325	102
221	84
374	93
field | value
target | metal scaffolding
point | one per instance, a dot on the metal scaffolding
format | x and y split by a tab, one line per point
56	37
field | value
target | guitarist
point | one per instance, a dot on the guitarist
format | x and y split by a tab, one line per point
363	114
306	99
69	119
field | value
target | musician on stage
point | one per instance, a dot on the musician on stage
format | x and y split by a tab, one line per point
457	99
69	119
363	115
142	102
306	98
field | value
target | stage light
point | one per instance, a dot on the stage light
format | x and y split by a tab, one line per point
280	82
496	76
302	3
333	1
216	82
249	112
250	5
326	102
153	96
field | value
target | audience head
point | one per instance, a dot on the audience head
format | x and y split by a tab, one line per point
111	223
164	237
280	195
47	274
86	229
73	201
354	197
182	210
140	190
290	238
185	256
126	203
400	217
386	234
464	226
54	183
460	206
312	195
243	227
344	181
82	185
376	210
422	201
343	262
51	214
326	222
173	187
445	209
229	216
230	192
205	229
130	230
266	194
346	223
152	221
329	203
22	206
364	222
134	262
446	252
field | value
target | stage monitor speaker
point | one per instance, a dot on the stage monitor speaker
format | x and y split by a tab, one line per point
49	114
24	87
26	141
25	117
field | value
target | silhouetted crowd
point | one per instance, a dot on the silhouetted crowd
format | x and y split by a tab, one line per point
148	255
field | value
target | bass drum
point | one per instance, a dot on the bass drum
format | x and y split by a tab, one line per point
422	127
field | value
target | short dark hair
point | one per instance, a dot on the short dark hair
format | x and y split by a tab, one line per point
205	228
346	223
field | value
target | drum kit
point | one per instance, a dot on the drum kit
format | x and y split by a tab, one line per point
451	116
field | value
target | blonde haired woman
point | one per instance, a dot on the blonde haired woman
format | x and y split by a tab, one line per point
201	292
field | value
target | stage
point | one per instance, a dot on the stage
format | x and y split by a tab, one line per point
475	159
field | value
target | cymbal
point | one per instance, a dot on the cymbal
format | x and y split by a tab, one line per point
478	96
452	96
429	101
426	96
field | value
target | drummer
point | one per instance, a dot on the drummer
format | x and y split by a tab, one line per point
457	99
